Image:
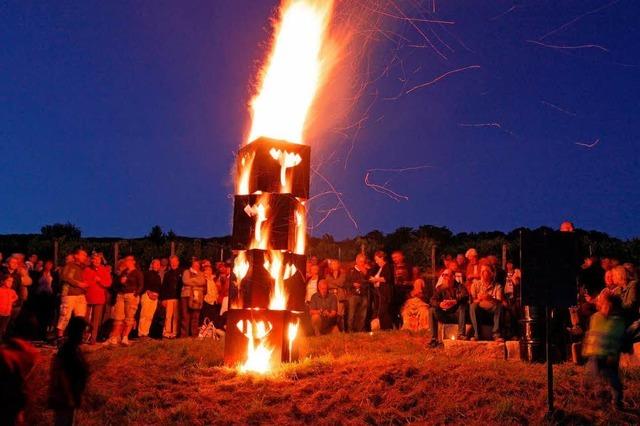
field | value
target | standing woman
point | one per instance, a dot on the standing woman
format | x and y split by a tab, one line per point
383	282
191	299
211	298
98	277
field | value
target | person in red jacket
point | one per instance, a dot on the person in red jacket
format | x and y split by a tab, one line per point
98	278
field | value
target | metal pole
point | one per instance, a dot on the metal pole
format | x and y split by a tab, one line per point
549	363
173	248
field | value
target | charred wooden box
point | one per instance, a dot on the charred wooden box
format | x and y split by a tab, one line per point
280	220
276	337
265	159
257	285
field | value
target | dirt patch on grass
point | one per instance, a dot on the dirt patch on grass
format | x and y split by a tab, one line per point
385	378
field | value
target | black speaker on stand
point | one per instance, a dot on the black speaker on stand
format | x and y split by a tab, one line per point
550	262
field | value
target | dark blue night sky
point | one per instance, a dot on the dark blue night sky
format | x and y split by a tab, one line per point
117	116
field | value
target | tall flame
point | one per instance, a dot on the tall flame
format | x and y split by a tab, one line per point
293	72
258	353
279	272
301	229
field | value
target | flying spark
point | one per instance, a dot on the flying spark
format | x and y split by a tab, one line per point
589	145
580	46
435	80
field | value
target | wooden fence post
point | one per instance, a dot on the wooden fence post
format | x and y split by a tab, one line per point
433	260
116	255
504	256
56	252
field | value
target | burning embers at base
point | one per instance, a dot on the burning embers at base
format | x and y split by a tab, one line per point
272	185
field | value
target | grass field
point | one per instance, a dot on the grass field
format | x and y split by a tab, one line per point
385	378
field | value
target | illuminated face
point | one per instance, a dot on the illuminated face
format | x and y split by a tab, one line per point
315	270
447	277
174	262
96	260
360	261
81	257
397	258
323	287
155	265
334	265
8	282
12	263
130	263
486	274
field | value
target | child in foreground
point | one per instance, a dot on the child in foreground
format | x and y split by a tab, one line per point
8	297
603	344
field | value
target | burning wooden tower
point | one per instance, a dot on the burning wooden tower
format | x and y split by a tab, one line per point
269	231
272	186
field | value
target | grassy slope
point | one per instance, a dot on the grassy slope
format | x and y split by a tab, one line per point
386	378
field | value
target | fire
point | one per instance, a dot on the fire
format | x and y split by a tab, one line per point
279	272
294	71
287	160
245	173
240	266
292	332
258	354
301	231
259	212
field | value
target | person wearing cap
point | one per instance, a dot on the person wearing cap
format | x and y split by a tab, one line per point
473	266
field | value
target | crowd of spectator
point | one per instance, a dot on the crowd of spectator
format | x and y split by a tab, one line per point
168	300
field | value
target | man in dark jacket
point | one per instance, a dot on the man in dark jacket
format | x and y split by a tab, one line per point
131	283
74	289
357	287
149	298
448	305
169	296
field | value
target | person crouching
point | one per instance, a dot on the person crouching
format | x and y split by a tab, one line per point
323	310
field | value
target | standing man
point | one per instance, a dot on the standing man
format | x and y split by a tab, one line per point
357	288
403	285
149	298
169	296
131	283
74	290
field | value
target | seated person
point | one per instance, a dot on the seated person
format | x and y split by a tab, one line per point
628	293
486	296
323	310
448	305
415	312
